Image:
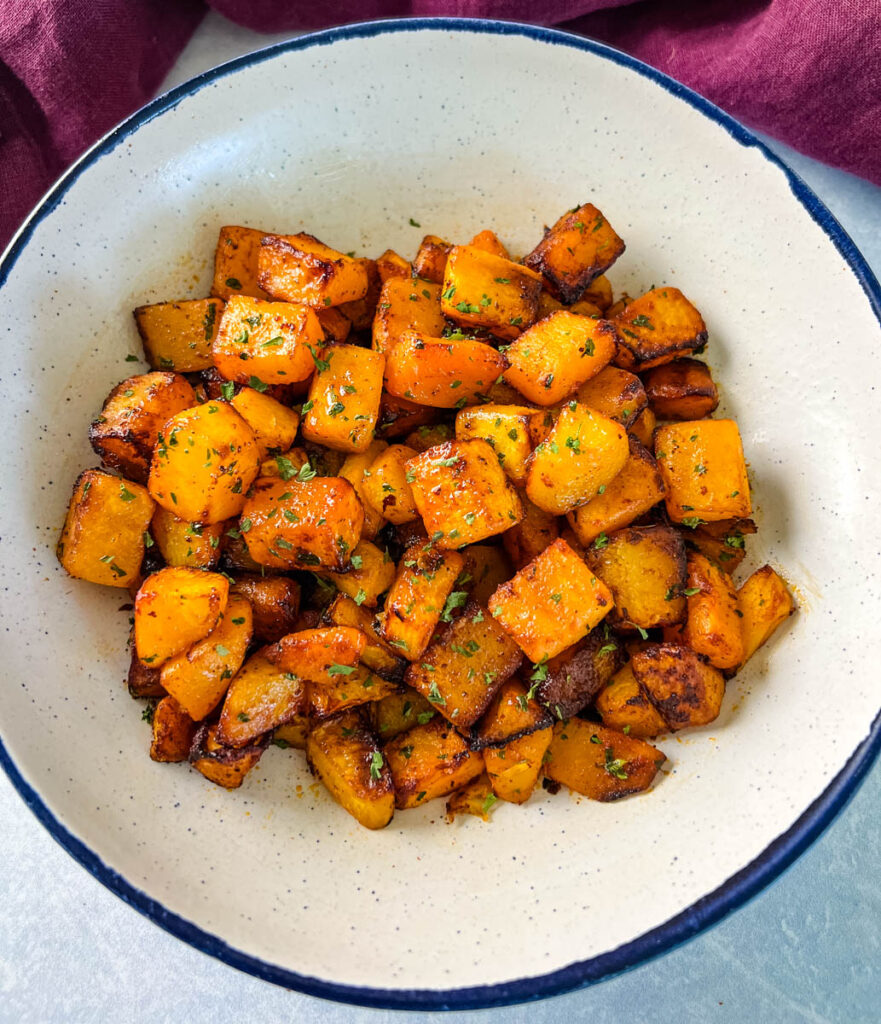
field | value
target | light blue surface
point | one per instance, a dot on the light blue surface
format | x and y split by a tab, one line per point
807	949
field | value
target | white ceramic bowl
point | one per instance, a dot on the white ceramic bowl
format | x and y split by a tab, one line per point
460	126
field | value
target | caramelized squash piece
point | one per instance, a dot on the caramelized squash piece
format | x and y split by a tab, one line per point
488	241
390	264
571	680
723	541
359	688
683	686
275	603
343	405
476	798
681	390
143	681
486	568
377	654
512	714
404	305
505	428
299	268
353	470
713	625
361	312
386	485
624	707
275	425
224	766
173	732
765	603
399	416
178	335
429	761
643	428
657	328
371	573
184	543
235	262
174	609
514	769
615	393
319	655
431	259
261	696
439	372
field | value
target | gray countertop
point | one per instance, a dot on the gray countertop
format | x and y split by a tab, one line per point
806	949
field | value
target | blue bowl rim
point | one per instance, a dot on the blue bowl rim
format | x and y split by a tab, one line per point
708	910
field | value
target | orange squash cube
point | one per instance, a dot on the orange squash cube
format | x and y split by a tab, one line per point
261	696
344	397
505	428
514	769
224	766
353	470
624	707
657	328
406	304
173	732
336	325
299	268
684	687
765	603
441	373
319	655
386	486
178	335
615	393
184	543
681	390
488	241
275	603
535	531
712	627
371	573
429	761
431	259
235	262
512	714
390	264
275	425
174	609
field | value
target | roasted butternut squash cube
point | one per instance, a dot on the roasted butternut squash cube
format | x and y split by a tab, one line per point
205	460
343	404
406	304
399	712
599	293
336	325
184	543
535	531
391	264
464	666
681	390
275	604
260	697
704	471
723	541
635	490
618	306
599	763
486	567
643	428
299	268
372	572
486	291
133	414
427	436
235	262
514	769
103	538
173	732
551	603
765	603
513	713
418	599
319	655
275	425
576	250
583	452
377	654
657	328
361	312
683	686
551	359
386	485
712	626
353	470
303	524
198	678
476	798
143	681
178	335
569	682
431	259
489	242
439	372
505	428
615	393
399	416
645	569
429	761
174	609
344	754
360	687
462	493
293	733
224	766
262	343
624	707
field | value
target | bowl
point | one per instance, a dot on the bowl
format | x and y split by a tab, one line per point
370	136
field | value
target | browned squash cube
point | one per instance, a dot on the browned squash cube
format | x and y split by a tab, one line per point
406	304
299	268
203	464
599	293
431	259
476	798
489	292
174	609
262	343
464	666
184	543
343	404
399	712
344	754
441	372
765	603
429	761
486	567
173	732
681	390
178	335
551	603
293	733
615	393
643	428
551	359
319	655
576	250
103	538
712	627
504	427
657	328
260	697
583	452
535	531
336	325
624	707
303	524
385	486
399	416
568	682
275	603
683	686
645	569
635	490
599	763
488	241
704	471
361	312
235	262
723	541
371	573
143	680
377	654
462	493
134	412
429	435
514	769
224	766
418	599
275	425
512	714
390	264
353	470
361	686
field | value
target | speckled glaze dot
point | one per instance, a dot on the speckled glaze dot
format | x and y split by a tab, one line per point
460	129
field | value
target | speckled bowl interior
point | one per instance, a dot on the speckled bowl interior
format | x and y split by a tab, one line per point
459	128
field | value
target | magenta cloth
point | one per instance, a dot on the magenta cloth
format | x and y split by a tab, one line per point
805	71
